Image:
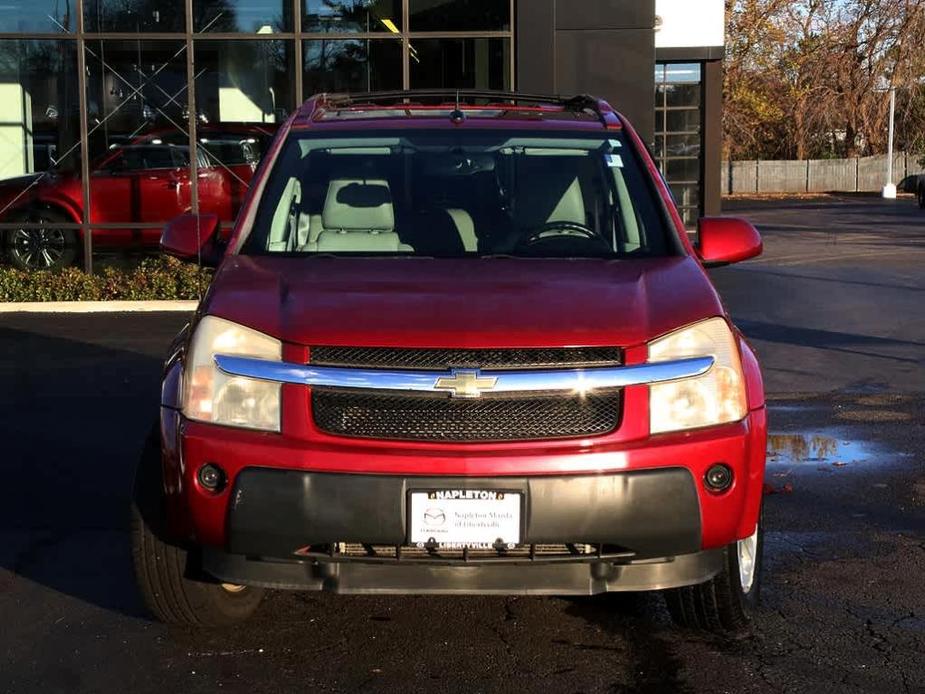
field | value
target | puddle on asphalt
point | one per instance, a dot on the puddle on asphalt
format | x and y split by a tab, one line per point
823	450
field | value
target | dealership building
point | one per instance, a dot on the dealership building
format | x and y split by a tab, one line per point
79	78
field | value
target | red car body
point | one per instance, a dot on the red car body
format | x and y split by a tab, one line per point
443	303
247	291
145	194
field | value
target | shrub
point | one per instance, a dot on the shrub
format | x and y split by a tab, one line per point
154	278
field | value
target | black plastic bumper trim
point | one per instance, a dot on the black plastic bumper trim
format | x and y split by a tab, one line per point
518	560
575	578
649	513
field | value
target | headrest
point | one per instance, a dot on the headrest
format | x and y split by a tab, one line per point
358	242
355	204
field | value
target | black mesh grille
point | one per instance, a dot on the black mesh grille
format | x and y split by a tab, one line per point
488	418
404	358
439	417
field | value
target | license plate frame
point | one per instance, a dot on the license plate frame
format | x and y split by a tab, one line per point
455	531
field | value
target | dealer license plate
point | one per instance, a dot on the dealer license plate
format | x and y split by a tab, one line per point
458	518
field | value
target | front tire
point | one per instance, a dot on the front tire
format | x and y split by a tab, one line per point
169	577
724	604
44	247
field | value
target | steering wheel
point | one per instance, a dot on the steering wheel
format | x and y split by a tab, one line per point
566	228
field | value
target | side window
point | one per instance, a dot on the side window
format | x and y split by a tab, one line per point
232	149
133	159
115	164
144	158
179	158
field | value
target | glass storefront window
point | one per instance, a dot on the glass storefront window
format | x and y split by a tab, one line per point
39	108
464	63
359	65
244	91
40	186
682	95
244	81
682	120
245	16
352	16
460	15
687	195
134	15
138	116
138	111
36	16
678	134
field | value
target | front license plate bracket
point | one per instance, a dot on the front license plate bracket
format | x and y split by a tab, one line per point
465	518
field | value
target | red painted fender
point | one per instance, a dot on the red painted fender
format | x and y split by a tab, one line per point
758	440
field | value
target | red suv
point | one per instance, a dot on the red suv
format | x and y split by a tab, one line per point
146	180
456	344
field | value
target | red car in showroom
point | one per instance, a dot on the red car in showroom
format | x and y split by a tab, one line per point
145	180
456	343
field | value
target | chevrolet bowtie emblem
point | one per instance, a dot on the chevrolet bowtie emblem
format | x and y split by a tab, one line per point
465	384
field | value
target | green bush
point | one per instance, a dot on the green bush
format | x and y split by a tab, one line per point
153	278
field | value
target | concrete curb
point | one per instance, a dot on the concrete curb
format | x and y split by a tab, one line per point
97	306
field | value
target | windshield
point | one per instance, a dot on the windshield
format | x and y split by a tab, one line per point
459	193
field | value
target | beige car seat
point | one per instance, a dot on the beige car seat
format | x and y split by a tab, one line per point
358	217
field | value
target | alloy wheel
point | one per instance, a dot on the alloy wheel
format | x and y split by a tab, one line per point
38	249
747	550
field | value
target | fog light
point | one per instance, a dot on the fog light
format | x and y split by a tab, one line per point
718	478
211	477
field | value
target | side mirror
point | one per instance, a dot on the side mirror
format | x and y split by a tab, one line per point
725	240
194	238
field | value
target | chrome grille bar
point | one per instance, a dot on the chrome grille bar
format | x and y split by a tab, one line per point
525	381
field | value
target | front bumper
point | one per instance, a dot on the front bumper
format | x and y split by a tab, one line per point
650	513
205	518
577	578
645	524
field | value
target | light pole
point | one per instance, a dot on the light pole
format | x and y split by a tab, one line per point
889	190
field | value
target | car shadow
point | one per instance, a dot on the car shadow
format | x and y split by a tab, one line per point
640	623
849	343
79	395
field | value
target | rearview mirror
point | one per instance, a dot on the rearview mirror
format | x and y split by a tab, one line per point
725	240
194	238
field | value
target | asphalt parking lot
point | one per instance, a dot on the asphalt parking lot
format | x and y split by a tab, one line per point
836	309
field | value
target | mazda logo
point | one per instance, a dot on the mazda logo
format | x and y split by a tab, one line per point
434	516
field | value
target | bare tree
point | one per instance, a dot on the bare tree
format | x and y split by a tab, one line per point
807	78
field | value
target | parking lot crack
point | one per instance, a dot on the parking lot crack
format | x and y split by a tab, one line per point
499	631
882	645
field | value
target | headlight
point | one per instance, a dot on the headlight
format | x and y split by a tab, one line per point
212	396
716	397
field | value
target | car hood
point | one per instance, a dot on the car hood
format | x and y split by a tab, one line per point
9	187
467	302
23	181
20	190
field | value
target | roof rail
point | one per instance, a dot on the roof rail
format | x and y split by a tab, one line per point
581	102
